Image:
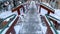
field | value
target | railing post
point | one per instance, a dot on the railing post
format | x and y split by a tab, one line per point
48	10
18	9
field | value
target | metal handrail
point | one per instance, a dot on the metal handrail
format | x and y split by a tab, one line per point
8	23
52	25
54	17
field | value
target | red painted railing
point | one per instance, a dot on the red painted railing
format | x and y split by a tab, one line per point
48	10
56	24
18	9
11	29
49	31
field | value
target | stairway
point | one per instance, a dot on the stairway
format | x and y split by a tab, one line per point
30	23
